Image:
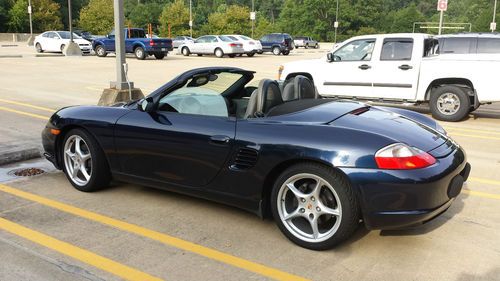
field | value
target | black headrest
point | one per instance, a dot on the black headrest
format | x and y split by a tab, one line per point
268	96
300	87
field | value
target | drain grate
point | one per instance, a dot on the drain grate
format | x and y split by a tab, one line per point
27	172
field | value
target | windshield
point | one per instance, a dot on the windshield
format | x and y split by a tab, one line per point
66	35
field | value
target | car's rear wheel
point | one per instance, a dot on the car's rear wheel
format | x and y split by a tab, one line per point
185	51
314	206
62	48
316	46
139	53
286	53
231	56
38	48
276	51
100	51
449	103
85	164
219	53
250	54
159	56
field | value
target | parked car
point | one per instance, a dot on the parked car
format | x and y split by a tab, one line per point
404	68
306	42
218	45
250	45
84	34
469	43
277	43
55	41
136	42
179	40
317	166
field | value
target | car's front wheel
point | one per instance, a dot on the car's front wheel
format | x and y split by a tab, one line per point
85	164
449	103
100	51
62	48
38	48
219	53
314	206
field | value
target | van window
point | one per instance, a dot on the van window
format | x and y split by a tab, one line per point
488	46
397	49
359	50
458	45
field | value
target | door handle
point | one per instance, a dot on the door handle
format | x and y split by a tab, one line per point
364	67
405	67
219	139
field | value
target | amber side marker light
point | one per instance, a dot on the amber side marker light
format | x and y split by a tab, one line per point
55	131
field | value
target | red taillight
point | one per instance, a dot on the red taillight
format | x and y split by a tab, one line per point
234	45
400	156
152	43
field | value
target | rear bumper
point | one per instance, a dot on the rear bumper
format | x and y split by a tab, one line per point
395	198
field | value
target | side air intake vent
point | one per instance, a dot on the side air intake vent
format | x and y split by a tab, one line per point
245	158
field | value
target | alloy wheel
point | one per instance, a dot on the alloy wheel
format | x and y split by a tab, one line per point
78	160
448	103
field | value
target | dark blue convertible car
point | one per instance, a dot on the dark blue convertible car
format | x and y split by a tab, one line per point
317	166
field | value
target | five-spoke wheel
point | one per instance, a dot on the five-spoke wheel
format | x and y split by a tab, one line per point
77	160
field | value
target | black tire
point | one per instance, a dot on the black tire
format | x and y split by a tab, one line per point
286	53
139	53
444	93
62	48
159	56
185	51
250	54
306	46
100	176
200	55
316	46
100	51
38	48
276	51
219	52
350	214
231	56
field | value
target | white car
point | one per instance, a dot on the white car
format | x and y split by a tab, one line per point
218	45
55	41
250	45
404	68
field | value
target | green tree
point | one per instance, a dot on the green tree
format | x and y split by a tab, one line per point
176	15
46	16
144	14
97	16
231	19
5	6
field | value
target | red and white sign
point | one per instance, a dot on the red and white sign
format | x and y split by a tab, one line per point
442	5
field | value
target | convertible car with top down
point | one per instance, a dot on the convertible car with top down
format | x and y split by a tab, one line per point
319	167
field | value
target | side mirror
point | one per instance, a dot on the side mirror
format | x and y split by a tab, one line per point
145	105
329	57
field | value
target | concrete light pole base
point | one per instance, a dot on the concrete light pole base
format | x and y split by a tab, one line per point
30	41
72	49
112	95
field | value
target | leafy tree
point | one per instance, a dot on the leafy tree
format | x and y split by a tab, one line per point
5	6
176	15
144	14
97	16
232	19
46	16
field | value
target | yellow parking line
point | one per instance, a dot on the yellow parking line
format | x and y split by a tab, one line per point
486	181
24	113
482	194
80	254
28	105
473	136
157	236
471	130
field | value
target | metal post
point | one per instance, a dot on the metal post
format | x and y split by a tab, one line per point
494	17
191	18
336	23
253	20
440	22
31	39
70	22
121	82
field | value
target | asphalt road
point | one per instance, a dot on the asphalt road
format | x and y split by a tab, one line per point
50	231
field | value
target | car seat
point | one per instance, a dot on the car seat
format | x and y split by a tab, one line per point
267	96
299	87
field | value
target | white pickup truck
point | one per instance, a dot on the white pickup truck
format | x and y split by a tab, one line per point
404	68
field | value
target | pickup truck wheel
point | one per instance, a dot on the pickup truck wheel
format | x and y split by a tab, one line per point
449	103
139	53
159	56
185	51
100	51
276	51
219	53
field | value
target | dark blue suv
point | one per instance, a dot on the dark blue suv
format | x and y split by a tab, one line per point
277	43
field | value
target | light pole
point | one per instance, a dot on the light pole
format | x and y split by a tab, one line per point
252	16
191	18
72	49
493	25
31	39
336	24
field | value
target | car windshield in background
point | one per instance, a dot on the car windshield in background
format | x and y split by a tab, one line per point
300	38
233	38
66	35
227	39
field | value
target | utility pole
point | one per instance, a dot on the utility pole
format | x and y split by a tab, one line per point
336	24
72	49
191	18
493	25
31	39
442	6
252	16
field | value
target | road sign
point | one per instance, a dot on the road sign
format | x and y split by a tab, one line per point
442	5
29	9
336	24
493	26
190	23
252	15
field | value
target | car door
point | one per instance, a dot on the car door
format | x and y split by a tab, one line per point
53	42
266	46
185	141
397	68
212	43
198	45
351	72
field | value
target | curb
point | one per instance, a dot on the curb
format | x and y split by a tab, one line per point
20	155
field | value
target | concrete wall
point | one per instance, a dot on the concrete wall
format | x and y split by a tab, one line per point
15	37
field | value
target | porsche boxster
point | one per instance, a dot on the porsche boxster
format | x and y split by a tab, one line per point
319	167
